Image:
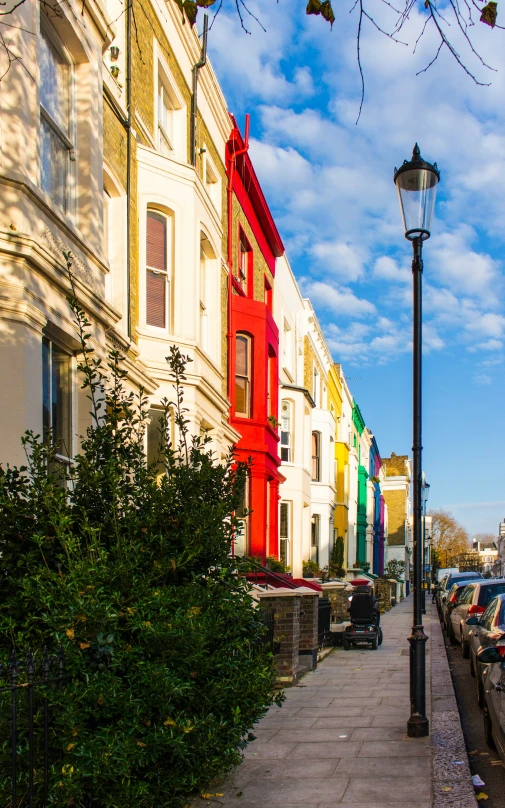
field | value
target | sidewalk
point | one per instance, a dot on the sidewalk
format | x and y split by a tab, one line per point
340	736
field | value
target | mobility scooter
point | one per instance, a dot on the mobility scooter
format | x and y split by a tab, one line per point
365	619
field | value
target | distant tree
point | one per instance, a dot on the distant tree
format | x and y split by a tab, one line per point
394	569
484	538
449	538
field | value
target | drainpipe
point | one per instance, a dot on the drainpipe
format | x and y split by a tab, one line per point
231	168
127	126
201	63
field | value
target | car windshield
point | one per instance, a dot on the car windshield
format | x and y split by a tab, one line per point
489	591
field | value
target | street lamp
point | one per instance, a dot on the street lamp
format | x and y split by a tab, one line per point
416	182
425	493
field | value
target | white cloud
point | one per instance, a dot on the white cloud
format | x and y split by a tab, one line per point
481	379
387	268
341	301
344	261
487	345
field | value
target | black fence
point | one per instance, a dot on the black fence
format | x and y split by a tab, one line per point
268	620
324	634
26	685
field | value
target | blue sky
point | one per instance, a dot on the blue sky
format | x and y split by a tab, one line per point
329	184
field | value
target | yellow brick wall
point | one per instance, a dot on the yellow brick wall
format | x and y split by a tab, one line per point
224	330
309	360
260	265
395	500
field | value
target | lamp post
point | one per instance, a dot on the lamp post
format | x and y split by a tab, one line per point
426	493
416	182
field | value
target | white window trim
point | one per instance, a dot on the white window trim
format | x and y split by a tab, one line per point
178	140
290	431
68	140
70	459
153	330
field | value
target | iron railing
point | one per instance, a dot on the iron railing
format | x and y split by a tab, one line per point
262	576
324	634
268	620
25	710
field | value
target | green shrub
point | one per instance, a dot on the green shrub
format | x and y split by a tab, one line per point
336	565
310	566
130	571
394	569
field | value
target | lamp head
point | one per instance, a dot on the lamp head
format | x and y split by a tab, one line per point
416	182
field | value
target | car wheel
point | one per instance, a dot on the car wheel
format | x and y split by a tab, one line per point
488	730
450	634
480	693
472	667
465	649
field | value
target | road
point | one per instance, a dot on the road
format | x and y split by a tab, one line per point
479	754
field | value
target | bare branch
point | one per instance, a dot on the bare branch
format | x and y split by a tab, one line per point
358	45
390	36
452	50
463	30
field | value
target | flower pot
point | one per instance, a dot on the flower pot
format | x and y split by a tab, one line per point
308	574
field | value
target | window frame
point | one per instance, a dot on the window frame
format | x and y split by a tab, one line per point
316	457
67	140
243	279
248	375
167	273
289	445
285	541
48	340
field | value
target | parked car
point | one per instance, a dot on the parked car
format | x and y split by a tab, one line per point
473	603
486	630
453	597
493	662
448	581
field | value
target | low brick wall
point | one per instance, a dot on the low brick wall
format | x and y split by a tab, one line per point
309	619
384	591
338	595
285	605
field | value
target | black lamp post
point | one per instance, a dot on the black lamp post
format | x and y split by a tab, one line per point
425	492
416	182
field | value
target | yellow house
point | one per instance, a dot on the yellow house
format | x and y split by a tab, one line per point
341	513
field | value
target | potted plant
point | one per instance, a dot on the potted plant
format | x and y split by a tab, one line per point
310	569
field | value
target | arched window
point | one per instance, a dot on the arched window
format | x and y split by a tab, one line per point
316	456
243	375
286	435
157	281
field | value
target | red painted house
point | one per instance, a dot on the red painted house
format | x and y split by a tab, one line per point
253	346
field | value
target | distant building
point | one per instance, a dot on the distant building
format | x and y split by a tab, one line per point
396	488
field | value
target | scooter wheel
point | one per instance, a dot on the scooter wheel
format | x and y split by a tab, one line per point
381	636
347	645
374	644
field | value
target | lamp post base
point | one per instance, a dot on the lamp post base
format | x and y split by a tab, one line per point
418	726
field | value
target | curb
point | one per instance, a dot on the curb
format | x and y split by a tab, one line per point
450	761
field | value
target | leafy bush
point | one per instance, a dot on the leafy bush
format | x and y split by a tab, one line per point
336	565
393	569
276	565
129	570
310	566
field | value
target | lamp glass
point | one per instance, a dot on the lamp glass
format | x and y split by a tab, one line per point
417	189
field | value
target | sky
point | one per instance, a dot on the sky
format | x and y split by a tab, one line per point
329	183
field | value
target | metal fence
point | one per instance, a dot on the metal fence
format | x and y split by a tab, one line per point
268	620
25	714
324	635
